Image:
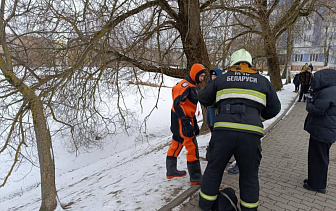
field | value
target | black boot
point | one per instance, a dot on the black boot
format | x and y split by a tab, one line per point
308	187
172	171
195	173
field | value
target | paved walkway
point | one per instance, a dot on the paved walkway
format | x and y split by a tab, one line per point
283	169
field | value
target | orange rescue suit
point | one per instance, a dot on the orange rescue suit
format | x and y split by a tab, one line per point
184	106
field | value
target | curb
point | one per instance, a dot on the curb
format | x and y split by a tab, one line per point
193	189
269	128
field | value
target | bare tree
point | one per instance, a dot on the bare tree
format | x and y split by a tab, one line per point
262	18
327	43
26	99
289	52
52	67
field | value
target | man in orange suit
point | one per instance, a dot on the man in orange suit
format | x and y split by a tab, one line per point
184	126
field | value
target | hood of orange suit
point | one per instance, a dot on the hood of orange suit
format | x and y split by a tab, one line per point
195	71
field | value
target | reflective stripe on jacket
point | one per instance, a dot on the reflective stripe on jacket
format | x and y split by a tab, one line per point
241	93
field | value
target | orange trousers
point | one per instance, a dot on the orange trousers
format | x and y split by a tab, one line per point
190	145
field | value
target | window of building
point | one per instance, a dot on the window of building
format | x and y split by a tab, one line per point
313	57
298	57
307	37
320	57
296	39
308	27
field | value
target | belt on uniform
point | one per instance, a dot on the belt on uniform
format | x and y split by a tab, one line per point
238	109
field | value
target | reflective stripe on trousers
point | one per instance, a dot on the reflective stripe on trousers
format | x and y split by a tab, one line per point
207	197
249	205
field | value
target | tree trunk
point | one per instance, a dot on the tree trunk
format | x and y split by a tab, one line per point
44	146
43	139
269	37
289	52
189	26
285	72
327	49
42	133
273	62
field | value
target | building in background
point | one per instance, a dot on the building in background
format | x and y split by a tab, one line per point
316	42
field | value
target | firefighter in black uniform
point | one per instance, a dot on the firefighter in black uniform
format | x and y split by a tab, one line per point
243	98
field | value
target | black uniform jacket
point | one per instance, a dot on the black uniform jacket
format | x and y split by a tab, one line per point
321	119
243	97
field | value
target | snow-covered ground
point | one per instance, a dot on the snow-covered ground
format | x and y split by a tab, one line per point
126	173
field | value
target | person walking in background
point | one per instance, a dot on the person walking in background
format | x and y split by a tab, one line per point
211	110
311	67
320	123
184	126
243	97
296	82
305	78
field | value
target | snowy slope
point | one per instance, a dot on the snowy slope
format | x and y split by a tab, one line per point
126	173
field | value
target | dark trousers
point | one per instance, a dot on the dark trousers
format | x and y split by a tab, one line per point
318	162
247	151
297	87
304	89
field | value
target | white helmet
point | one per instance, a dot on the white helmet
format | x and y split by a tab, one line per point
241	56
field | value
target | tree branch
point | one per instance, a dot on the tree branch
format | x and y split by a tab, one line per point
207	4
167	8
178	73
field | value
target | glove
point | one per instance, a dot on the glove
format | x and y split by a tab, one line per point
187	128
196	128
